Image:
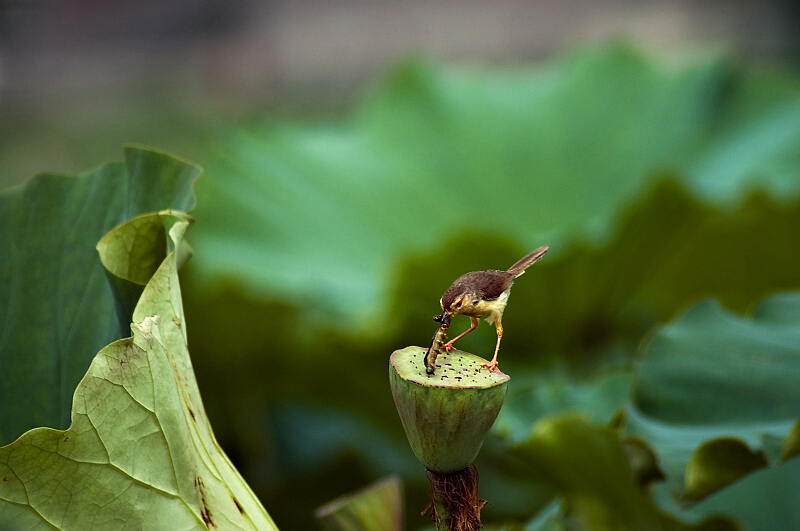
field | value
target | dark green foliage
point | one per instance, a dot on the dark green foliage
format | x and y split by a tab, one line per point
715	394
57	307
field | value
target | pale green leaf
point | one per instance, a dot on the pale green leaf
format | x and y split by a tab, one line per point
140	453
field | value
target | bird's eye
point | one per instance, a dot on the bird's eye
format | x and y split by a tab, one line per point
458	304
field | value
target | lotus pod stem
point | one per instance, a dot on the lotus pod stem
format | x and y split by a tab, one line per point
446	416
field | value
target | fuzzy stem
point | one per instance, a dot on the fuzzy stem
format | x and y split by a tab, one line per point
454	504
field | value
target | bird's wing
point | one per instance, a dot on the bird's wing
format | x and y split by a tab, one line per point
495	283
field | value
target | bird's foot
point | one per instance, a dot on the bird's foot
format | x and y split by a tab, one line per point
492	366
449	346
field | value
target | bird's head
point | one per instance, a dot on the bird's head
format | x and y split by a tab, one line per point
453	303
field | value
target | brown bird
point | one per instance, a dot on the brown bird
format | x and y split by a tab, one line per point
484	294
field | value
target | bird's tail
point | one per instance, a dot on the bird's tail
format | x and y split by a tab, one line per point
527	261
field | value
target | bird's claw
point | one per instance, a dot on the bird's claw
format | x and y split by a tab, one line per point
492	366
448	347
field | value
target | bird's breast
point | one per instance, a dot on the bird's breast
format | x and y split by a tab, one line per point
493	310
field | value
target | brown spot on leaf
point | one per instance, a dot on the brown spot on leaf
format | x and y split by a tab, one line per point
238	505
205	512
191	413
66	438
5	480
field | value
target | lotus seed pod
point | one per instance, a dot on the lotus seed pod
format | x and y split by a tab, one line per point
446	415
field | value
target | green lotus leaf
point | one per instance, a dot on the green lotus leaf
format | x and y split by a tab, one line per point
140	452
551	518
588	467
791	444
718	463
764	500
377	507
55	303
552	392
320	213
717	396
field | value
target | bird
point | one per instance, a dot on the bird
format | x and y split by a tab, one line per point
484	294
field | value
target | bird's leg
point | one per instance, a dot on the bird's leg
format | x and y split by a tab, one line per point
492	365
449	345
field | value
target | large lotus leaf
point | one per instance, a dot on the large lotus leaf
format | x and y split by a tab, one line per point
140	452
765	500
753	143
532	155
56	306
715	395
588	467
551	392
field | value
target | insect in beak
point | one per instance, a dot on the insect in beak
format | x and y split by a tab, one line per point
444	319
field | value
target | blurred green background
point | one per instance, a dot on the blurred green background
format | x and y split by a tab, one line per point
360	156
